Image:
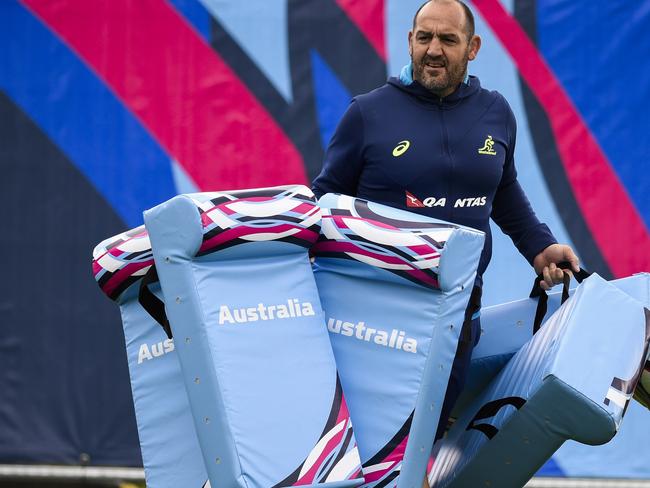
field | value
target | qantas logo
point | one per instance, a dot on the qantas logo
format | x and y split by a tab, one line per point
414	202
401	148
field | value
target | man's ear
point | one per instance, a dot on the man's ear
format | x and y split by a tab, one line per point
474	47
410	36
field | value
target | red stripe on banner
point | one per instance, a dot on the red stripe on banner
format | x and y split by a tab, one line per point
179	88
368	15
612	218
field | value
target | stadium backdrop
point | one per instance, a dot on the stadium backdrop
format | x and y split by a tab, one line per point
110	107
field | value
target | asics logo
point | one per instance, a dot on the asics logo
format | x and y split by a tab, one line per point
401	148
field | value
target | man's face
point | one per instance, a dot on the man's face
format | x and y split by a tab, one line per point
439	47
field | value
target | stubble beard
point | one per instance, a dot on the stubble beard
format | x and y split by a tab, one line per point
451	76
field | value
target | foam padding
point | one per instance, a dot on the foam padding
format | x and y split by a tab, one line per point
250	333
170	449
508	326
572	380
394	286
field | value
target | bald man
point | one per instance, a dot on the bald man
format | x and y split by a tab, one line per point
434	142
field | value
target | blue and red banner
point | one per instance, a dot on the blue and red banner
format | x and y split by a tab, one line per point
108	108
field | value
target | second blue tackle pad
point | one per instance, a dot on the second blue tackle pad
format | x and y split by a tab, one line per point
394	287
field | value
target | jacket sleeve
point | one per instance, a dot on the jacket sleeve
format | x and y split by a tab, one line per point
512	211
344	156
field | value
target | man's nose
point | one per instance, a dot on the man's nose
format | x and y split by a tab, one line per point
435	48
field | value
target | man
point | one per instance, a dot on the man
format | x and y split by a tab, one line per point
434	142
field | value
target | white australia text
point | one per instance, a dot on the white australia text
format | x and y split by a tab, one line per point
395	339
147	352
290	309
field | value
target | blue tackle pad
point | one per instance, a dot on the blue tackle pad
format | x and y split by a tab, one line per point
508	326
170	449
572	380
250	334
394	286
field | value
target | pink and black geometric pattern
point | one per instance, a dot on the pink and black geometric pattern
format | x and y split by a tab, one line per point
642	391
410	249
286	213
383	469
335	457
120	261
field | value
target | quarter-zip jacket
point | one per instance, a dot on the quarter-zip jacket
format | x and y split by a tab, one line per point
400	145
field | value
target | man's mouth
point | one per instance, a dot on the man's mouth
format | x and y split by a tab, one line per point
435	65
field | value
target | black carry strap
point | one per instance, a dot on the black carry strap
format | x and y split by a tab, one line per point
537	291
473	306
151	303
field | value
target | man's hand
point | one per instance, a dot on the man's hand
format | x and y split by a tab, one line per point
546	264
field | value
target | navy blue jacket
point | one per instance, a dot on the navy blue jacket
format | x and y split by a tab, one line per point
450	158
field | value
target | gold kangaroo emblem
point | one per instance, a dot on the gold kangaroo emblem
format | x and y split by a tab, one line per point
488	147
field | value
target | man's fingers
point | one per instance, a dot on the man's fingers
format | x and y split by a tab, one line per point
555	274
576	265
572	258
548	280
550	273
